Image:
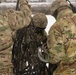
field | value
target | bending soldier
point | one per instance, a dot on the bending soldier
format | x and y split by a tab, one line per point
61	41
10	21
25	49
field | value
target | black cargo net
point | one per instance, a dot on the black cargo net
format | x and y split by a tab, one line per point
24	53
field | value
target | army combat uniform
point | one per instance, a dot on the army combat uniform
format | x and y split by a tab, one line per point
25	48
10	21
40	23
62	39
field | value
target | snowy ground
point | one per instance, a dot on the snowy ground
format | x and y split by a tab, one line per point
51	21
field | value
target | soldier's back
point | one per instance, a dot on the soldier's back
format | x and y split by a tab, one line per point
64	31
5	46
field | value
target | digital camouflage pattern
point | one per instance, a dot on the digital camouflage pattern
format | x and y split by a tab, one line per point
10	21
62	42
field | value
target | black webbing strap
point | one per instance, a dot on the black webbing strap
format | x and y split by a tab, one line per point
17	5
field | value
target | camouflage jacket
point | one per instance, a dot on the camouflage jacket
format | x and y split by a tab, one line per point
11	21
62	44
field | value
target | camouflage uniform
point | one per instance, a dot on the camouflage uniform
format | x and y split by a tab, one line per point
62	39
25	49
10	21
40	23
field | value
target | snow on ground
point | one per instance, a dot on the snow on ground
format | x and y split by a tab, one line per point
51	21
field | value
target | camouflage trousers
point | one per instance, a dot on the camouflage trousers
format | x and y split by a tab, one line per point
66	70
6	67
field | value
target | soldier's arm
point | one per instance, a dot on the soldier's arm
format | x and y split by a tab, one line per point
25	7
20	19
55	42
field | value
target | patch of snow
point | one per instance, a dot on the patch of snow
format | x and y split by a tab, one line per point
51	21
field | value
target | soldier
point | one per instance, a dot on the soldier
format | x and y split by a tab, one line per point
40	23
25	49
61	41
10	21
